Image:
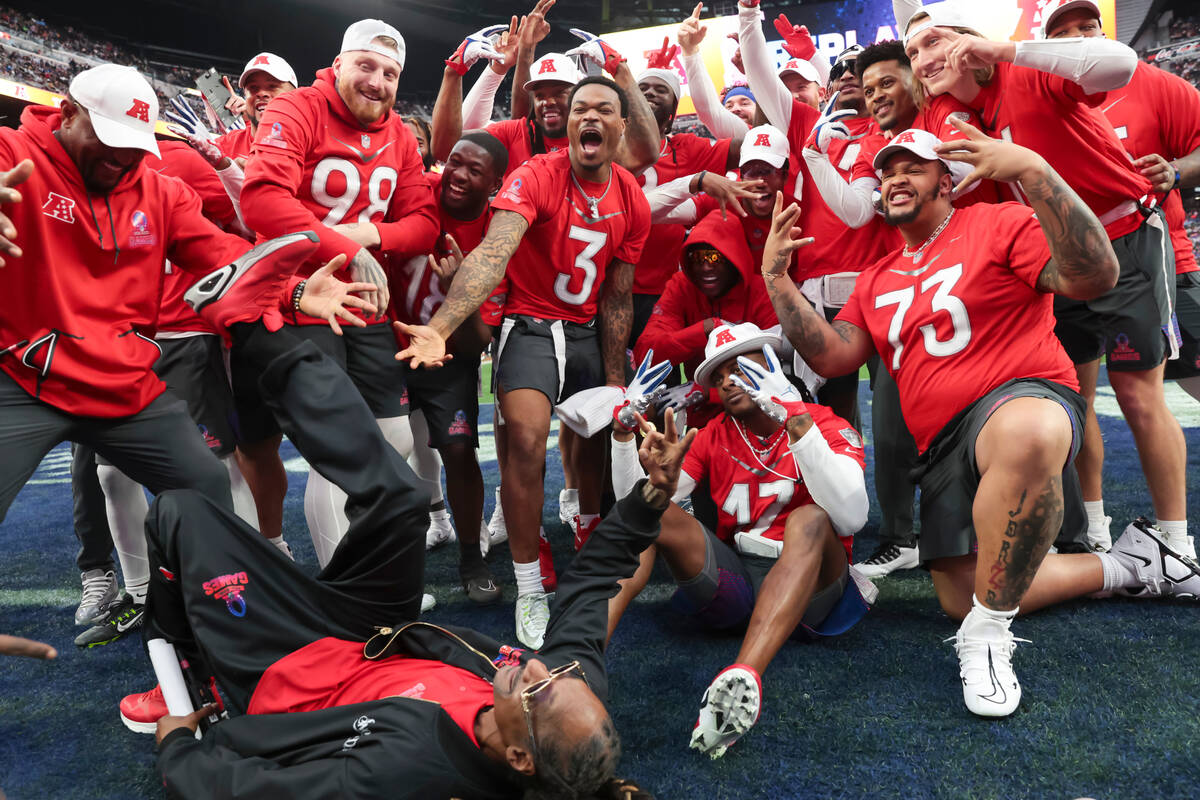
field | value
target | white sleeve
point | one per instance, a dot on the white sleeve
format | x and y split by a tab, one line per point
232	178
772	96
850	201
668	201
904	10
627	471
477	107
835	481
720	121
1097	65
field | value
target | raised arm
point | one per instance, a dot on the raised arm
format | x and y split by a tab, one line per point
1083	265
720	121
1097	65
532	30
772	96
829	349
447	121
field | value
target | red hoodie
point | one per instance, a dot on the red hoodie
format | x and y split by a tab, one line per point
81	304
313	166
676	327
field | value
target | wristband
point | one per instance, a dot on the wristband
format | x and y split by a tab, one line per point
297	293
1178	177
458	66
700	180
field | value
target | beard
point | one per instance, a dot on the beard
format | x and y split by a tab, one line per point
908	215
364	110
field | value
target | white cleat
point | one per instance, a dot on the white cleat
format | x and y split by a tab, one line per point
887	559
428	603
1161	571
985	648
497	532
532	616
568	505
283	548
441	529
1099	538
485	539
729	708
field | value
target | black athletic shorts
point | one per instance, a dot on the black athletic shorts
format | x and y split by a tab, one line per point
555	357
1187	313
949	476
1129	323
368	355
449	398
193	368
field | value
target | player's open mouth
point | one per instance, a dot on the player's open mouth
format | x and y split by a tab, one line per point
456	191
551	118
900	197
590	141
369	97
933	72
261	107
882	109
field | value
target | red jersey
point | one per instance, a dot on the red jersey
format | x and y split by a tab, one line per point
681	154
837	247
517	136
559	267
675	330
1055	118
314	166
1159	113
81	304
872	143
235	144
332	672
964	317
756	494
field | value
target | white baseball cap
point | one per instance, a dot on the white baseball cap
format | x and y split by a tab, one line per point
728	341
765	143
667	76
921	144
946	14
804	69
271	64
121	104
554	67
362	35
1056	8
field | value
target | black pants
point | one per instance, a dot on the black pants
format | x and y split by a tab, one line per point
91	519
158	446
895	458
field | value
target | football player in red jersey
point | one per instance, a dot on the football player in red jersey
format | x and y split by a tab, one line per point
998	427
336	159
1157	118
787	479
265	77
1046	95
566	230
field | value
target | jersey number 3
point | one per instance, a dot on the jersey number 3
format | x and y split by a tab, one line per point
942	300
584	263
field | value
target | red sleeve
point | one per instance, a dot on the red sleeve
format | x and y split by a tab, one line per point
705	205
1179	115
667	332
273	174
695	461
839	433
411	225
506	130
1021	242
181	161
699	153
851	312
195	244
521	193
804	117
638	208
1030	82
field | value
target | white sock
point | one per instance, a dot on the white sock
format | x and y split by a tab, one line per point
325	511
529	578
424	460
1095	513
1117	574
983	612
1173	528
1191	386
568	496
126	507
243	500
281	546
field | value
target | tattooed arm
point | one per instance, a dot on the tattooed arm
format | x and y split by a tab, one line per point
480	273
616	319
365	269
1082	264
641	144
831	350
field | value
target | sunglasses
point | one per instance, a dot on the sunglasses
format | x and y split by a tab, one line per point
527	695
841	68
701	257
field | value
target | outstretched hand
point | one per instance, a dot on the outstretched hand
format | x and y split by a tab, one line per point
662	454
968	52
784	239
330	299
830	125
729	193
534	28
8	194
426	347
797	41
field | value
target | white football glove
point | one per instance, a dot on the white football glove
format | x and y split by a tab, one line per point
480	44
681	397
641	392
179	112
598	51
770	388
830	125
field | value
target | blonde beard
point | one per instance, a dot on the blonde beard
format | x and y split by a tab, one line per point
360	108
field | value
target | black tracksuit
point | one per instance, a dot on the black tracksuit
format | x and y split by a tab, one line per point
370	590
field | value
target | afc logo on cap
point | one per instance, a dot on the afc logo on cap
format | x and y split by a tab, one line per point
547	66
908	137
762	140
723	338
261	60
139	110
792	65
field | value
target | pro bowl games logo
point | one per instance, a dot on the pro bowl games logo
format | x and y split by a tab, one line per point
229	588
141	235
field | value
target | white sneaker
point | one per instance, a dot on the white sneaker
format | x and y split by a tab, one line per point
283	548
729	708
985	647
485	539
532	616
441	529
1183	545
99	594
888	558
1099	538
1160	570
497	532
568	505
428	603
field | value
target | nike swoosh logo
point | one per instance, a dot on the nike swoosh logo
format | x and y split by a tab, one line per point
915	272
1110	105
594	220
996	687
124	625
366	159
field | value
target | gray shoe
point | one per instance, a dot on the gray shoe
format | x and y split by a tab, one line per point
478	582
99	594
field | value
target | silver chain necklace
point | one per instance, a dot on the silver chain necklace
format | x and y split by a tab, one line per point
915	255
593	202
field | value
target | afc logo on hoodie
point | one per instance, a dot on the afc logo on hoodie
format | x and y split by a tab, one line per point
59	207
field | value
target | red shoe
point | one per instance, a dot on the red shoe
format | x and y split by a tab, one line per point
546	562
141	712
252	287
583	532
